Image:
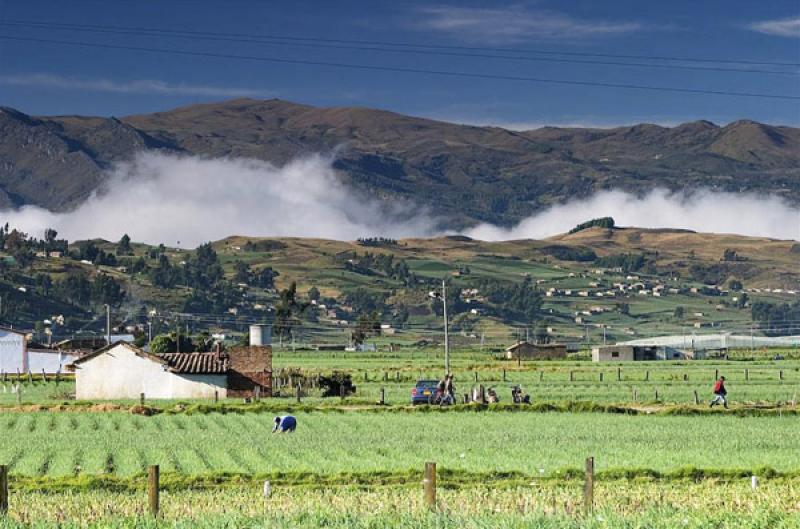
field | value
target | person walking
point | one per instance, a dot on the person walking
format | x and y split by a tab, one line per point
720	393
284	423
449	390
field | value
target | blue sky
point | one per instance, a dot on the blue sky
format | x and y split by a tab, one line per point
47	78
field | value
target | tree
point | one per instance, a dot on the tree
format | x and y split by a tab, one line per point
367	325
735	285
124	246
166	343
242	272
287	312
313	294
265	278
729	255
678	312
624	308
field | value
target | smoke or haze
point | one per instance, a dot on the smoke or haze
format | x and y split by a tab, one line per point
704	211
188	200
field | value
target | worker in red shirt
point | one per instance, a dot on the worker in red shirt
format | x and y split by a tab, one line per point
720	393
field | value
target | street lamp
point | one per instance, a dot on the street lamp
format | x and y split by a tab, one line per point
443	296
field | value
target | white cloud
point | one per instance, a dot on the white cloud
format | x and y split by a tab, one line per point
785	27
704	211
136	86
158	198
515	24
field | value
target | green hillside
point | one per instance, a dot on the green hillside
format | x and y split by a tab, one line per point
620	283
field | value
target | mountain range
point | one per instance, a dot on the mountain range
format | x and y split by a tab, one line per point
463	174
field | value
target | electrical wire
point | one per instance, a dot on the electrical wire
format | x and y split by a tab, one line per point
439	73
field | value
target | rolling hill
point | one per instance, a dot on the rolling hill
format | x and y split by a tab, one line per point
464	174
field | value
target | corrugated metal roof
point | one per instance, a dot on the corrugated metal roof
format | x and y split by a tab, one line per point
195	363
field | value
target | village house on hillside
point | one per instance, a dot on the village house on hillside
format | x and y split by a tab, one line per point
532	351
123	371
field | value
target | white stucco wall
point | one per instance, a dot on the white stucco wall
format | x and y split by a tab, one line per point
12	352
120	374
50	361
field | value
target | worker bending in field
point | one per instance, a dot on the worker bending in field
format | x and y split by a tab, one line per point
720	393
285	423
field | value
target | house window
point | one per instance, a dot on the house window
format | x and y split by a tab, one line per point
614	354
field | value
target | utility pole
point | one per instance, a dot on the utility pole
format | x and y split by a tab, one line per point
178	335
604	334
149	332
108	324
446	330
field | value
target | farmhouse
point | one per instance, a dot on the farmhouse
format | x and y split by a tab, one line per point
122	371
548	351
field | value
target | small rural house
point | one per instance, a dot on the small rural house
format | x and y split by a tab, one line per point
631	353
532	351
123	371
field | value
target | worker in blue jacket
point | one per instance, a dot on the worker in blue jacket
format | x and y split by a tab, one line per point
284	423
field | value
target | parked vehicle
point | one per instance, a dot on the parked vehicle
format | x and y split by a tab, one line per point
425	392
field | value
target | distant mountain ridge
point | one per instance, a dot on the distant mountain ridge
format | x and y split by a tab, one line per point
464	174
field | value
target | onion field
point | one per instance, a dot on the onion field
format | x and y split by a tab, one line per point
536	444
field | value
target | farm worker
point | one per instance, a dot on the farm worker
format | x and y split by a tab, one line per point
719	393
284	423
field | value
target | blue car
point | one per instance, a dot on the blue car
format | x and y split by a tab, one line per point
424	392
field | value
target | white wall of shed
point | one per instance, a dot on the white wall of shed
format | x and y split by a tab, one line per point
12	352
121	374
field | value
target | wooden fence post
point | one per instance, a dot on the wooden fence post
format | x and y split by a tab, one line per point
634	395
341	391
504	375
519	360
696	398
257	393
216	396
44	376
3	489
152	489
366	378
686	377
780	374
571	376
656	394
588	487
716	374
476	376
141	399
299	393
383	396
601	376
619	374
647	375
747	374
429	486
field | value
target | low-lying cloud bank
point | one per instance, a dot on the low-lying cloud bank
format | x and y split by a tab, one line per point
705	211
183	201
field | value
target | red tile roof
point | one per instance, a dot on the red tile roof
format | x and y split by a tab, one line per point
195	363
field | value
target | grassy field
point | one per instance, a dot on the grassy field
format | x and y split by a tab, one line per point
372	444
545	505
756	379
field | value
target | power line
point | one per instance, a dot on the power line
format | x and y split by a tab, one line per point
285	41
420	46
441	73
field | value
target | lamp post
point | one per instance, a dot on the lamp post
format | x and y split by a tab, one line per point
443	296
